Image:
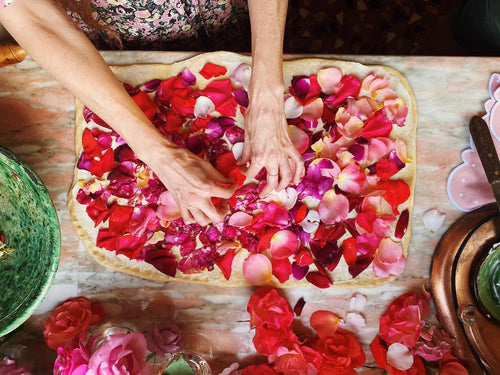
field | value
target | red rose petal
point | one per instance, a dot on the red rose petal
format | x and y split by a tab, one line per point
210	70
146	104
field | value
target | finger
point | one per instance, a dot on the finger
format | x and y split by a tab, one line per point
211	213
285	175
298	169
223	191
272	183
253	170
187	217
200	217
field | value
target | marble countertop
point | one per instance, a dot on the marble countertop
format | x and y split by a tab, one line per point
37	124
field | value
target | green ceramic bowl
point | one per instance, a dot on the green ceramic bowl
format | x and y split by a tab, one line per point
29	224
488	283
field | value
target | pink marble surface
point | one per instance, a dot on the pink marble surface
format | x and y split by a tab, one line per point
37	123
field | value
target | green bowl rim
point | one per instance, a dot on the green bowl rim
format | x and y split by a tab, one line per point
11	325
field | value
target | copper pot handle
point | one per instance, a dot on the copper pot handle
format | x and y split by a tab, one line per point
11	53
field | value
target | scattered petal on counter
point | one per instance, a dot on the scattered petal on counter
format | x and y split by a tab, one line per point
354	322
357	302
433	219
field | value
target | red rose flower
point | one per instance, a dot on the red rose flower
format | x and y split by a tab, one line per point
69	320
261	369
404	319
269	310
341	353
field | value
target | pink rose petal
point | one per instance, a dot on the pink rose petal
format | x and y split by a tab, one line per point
313	110
168	209
389	259
329	80
333	208
240	219
283	244
351	179
299	138
257	269
357	302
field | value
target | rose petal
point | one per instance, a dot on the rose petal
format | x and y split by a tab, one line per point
241	75
399	356
389	259
283	244
324	322
329	80
293	108
357	302
433	219
313	110
300	138
333	207
354	322
240	219
257	269
203	107
168	209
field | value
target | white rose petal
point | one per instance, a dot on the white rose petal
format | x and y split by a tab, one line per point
355	322
310	222
433	219
203	107
399	356
293	108
357	302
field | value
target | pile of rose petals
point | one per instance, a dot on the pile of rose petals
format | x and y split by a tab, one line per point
346	206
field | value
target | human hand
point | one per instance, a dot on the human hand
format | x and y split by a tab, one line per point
193	182
268	144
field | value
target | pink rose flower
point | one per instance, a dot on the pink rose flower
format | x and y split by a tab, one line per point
74	359
9	367
404	319
69	320
163	338
433	343
121	353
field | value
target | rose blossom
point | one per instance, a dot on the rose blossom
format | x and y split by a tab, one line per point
404	319
9	367
69	320
433	343
341	353
74	359
261	369
269	310
121	353
163	338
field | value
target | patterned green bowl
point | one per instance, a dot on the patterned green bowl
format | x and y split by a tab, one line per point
29	225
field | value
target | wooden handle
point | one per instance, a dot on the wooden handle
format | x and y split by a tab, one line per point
485	148
11	53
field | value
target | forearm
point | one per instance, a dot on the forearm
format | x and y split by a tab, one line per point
55	43
267	19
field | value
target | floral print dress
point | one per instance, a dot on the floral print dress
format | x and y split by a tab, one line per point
201	25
